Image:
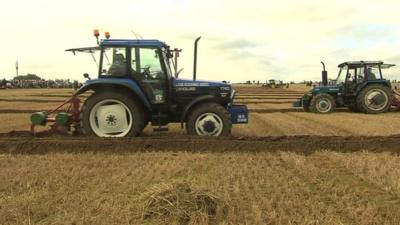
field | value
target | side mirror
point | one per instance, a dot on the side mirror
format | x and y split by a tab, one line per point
86	75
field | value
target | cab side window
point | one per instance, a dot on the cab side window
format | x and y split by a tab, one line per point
372	73
114	62
150	64
360	74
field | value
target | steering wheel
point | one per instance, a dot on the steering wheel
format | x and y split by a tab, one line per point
147	73
151	75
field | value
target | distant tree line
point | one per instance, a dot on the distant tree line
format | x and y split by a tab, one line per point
35	81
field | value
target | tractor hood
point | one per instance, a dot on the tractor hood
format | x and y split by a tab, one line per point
199	83
199	87
325	89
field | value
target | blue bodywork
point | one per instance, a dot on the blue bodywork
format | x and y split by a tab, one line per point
239	113
199	83
325	90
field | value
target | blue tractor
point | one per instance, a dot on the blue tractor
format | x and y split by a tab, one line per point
136	86
360	86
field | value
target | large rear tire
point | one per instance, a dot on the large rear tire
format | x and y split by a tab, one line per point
112	114
209	119
322	103
374	99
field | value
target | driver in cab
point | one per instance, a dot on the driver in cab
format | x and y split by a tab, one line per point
118	67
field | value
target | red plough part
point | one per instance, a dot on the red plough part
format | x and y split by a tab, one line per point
396	100
61	119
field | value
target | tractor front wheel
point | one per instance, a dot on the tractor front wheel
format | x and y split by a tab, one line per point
322	103
112	114
209	119
374	99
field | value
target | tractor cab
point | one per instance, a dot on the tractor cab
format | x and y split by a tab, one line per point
353	76
143	62
360	86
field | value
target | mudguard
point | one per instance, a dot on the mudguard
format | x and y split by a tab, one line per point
366	83
203	98
95	84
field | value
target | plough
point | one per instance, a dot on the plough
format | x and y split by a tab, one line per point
61	119
396	100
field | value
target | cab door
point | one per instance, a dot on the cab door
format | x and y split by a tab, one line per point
351	81
147	68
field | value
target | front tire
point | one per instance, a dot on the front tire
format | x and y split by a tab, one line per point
322	103
112	114
374	99
209	119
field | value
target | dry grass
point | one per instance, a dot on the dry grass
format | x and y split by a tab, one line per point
338	124
29	92
179	203
269	106
28	105
262	188
382	170
12	122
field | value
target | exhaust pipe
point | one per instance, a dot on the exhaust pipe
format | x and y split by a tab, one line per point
195	58
324	75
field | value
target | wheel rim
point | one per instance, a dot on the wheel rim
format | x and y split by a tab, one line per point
324	105
373	105
111	118
209	124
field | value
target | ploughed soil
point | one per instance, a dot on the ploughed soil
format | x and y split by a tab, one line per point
22	142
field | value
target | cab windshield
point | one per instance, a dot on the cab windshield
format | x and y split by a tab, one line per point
342	75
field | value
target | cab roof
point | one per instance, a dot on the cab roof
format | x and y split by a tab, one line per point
132	43
361	63
121	42
357	64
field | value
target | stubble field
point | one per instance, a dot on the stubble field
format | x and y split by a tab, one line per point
284	167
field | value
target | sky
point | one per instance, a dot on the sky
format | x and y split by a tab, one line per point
241	40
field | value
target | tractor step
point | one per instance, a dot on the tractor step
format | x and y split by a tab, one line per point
160	129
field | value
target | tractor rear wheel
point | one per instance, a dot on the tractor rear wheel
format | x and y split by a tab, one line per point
112	114
322	103
374	99
209	119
